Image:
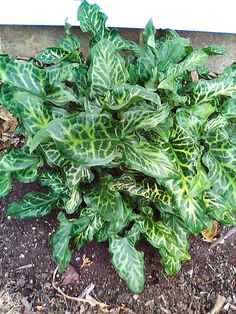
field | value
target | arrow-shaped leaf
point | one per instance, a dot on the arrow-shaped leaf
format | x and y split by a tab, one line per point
51	55
107	68
54	181
33	205
59	94
23	75
149	160
85	138
60	242
107	203
220	208
91	19
126	94
17	159
5	183
128	262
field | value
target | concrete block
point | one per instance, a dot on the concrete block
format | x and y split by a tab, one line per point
24	41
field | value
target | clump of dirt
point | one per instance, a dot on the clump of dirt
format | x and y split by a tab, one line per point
27	266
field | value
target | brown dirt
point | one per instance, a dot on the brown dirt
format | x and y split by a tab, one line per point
26	242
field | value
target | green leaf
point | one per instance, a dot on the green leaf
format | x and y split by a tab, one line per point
152	192
76	173
87	226
17	159
191	211
149	34
108	203
73	201
171	50
52	155
7	92
229	109
111	228
177	225
60	72
28	175
172	265
202	111
230	70
191	62
91	19
60	242
169	83
220	208
70	43
107	68
54	181
5	183
120	43
81	78
23	75
85	138
33	205
80	224
146	64
141	117
221	177
174	72
200	182
59	94
57	112
51	55
126	95
215	50
149	159
206	90
191	124
162	237
128	262
34	115
191	182
42	136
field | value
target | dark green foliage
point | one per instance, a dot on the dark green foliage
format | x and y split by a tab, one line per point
137	149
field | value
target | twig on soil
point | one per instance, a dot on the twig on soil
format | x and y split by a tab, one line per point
222	239
24	267
88	299
165	310
220	301
191	301
87	290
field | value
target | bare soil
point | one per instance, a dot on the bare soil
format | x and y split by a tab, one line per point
27	266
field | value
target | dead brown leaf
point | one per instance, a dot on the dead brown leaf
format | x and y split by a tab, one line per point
70	276
209	235
86	262
9	123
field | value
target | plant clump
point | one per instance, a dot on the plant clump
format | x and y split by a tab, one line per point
137	145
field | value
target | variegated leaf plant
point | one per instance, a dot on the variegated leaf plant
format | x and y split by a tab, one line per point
136	148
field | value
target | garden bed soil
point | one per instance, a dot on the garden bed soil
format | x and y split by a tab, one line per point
27	267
